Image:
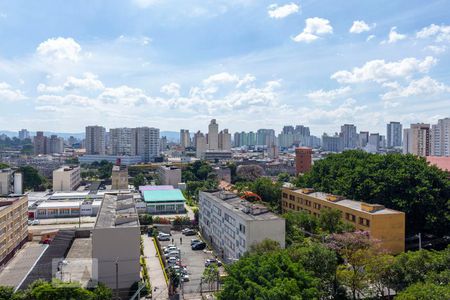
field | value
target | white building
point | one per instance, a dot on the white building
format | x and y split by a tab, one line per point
11	182
200	145
213	135
67	209
95	140
66	178
116	241
349	136
394	134
185	138
169	175
440	138
120	141
24	134
232	225
416	140
145	143
225	140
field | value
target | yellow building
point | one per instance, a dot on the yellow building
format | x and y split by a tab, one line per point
383	224
13	226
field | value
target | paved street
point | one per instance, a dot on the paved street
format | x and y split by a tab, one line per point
154	269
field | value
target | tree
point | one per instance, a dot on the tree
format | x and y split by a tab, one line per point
105	169
283	177
273	275
379	273
265	246
402	182
330	221
297	224
32	179
269	191
3	166
6	292
211	275
138	180
425	291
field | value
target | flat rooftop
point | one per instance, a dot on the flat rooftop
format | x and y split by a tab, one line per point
143	188
352	204
117	210
173	195
245	209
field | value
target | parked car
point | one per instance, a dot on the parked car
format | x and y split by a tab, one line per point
167	250
211	261
171	261
185	229
173	254
169	246
163	237
199	246
190	232
195	241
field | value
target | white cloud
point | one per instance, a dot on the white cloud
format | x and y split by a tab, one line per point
325	97
314	28
248	78
89	82
171	89
436	49
280	12
360	26
380	71
145	3
424	86
441	32
220	78
9	94
370	37
59	49
394	36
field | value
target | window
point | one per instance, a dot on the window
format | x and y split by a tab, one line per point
364	222
285	195
291	197
350	217
242	228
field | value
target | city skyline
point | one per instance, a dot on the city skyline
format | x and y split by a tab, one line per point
171	67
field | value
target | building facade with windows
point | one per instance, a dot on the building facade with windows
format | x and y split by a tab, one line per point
384	225
13	226
66	179
232	225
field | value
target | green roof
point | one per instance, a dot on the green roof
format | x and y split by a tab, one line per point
174	195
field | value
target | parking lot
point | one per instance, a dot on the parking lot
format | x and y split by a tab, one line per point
194	260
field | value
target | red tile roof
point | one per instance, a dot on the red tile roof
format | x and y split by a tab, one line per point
442	162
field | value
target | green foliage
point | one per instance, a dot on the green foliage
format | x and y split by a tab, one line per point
283	177
425	291
181	220
6	292
105	169
402	182
32	179
27	149
3	166
265	246
274	275
211	275
72	161
196	171
330	221
138	180
145	219
270	192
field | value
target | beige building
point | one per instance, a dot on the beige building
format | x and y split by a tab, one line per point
13	226
169	175
232	225
66	179
384	225
116	241
119	178
416	140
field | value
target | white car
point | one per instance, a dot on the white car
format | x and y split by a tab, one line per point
170	249
172	261
173	254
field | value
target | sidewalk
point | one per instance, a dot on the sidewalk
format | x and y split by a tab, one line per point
154	269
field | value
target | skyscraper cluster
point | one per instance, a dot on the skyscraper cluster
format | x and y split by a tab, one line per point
140	141
213	142
425	140
47	145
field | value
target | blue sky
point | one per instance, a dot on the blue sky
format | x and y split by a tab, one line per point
250	64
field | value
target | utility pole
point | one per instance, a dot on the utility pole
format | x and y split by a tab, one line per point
117	278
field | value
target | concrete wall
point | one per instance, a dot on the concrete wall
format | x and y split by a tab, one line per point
122	244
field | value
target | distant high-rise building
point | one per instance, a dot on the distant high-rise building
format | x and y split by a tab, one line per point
349	136
95	140
363	139
200	145
288	129
332	143
237	139
302	130
416	140
394	134
440	138
24	134
40	143
145	143
55	144
225	140
303	159
265	137
213	135
163	144
373	145
185	138
121	141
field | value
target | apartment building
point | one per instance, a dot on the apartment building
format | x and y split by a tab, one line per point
303	159
384	225
440	138
169	175
416	140
232	225
66	179
13	226
11	182
116	241
95	140
394	134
